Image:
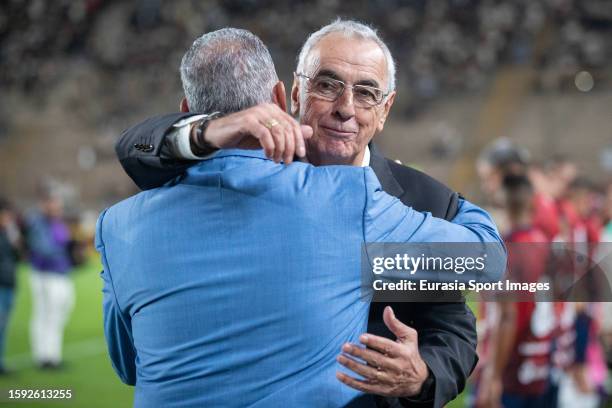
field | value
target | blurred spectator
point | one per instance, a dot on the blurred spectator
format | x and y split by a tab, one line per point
579	365
561	206
514	373
604	258
546	213
583	384
52	288
583	195
500	158
444	45
563	172
607	230
10	238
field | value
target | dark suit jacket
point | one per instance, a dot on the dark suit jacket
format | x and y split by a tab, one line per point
446	330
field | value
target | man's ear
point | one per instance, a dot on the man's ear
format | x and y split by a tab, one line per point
385	112
279	96
184	107
295	96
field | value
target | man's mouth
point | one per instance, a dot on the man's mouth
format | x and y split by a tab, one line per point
339	133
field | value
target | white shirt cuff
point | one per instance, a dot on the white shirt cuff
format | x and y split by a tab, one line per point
179	138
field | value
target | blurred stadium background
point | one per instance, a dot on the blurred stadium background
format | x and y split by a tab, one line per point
74	74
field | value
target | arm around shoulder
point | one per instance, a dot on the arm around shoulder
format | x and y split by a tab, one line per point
140	150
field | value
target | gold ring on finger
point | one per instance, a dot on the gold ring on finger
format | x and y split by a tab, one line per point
270	123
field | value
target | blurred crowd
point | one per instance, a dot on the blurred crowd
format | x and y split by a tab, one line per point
53	245
545	353
441	45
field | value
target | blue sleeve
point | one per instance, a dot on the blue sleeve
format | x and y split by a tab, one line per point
387	219
117	324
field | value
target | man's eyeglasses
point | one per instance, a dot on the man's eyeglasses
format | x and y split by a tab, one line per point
330	89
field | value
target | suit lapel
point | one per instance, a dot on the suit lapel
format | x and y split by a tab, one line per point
381	168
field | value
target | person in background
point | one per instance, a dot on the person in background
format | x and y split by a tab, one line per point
582	195
500	158
545	212
10	239
604	258
578	370
606	233
585	378
52	289
514	372
565	171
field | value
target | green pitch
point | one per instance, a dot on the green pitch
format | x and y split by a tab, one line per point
88	372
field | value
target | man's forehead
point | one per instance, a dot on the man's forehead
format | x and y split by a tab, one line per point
350	58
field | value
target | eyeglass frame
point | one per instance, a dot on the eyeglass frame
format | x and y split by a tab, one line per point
344	85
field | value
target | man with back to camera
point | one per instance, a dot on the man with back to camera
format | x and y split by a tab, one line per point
344	89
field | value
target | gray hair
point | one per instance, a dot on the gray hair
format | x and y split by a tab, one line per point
349	28
227	70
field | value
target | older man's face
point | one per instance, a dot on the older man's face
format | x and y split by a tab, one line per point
342	130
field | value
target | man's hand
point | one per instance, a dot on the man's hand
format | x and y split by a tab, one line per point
394	369
264	125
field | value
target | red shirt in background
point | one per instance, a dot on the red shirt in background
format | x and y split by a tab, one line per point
546	215
529	363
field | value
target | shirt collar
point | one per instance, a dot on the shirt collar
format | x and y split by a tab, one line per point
366	157
262	155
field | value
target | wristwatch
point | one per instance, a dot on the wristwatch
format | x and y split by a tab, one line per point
199	145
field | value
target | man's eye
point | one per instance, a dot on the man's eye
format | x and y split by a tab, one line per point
326	85
365	93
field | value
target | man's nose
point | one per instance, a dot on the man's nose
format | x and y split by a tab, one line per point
344	107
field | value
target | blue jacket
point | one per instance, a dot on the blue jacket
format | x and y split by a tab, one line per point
238	284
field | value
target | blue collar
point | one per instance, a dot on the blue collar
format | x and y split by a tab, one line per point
258	154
